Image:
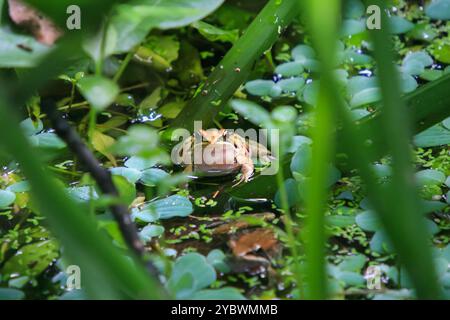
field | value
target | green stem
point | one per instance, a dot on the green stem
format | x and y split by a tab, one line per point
290	231
235	67
124	65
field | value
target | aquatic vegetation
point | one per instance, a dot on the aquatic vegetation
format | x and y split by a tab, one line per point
343	183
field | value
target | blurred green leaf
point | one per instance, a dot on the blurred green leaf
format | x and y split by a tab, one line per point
100	92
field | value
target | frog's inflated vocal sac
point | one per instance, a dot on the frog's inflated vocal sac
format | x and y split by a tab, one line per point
217	152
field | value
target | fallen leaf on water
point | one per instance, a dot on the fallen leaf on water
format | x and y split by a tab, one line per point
258	239
42	28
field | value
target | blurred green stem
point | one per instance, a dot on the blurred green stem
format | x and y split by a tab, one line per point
235	67
290	230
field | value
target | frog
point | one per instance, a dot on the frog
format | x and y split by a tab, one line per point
221	152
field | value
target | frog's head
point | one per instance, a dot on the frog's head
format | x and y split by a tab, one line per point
212	135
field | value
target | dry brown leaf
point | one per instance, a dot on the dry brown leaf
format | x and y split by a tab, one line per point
42	28
258	239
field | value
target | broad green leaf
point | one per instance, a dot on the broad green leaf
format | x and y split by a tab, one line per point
11	294
302	159
131	174
30	127
213	33
350	27
147	215
408	83
134	19
170	207
47	140
400	25
438	10
217	259
153	176
369	221
259	87
353	9
20	51
311	92
22	186
430	177
365	97
150	231
289	69
284	114
6	198
82	194
194	264
140	163
100	92
292	190
291	85
435	136
252	111
218	294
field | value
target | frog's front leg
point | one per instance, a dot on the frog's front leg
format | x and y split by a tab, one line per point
247	167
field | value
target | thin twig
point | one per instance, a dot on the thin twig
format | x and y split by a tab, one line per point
101	175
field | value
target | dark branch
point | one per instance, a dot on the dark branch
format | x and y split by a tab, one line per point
101	175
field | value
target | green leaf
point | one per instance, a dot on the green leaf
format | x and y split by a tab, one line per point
302	159
430	177
20	51
292	190
147	215
217	259
30	127
140	163
423	32
218	294
153	176
194	264
32	259
6	198
380	243
47	140
150	231
132	175
400	25
170	207
11	294
100	92
159	52
291	85
284	114
353	263
21	186
134	19
350	27
438	10
289	69
311	92
251	111
213	33
435	136
127	190
408	83
353	9
259	87
365	97
82	194
369	221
